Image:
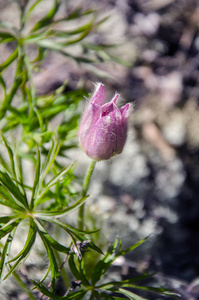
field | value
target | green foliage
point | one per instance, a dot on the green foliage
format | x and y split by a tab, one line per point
97	290
14	196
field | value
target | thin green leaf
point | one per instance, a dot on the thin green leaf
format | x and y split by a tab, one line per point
4	163
103	265
36	37
83	272
98	46
8	99
95	70
48	18
40	56
77	295
35	188
75	14
32	7
6	37
9	60
19	175
31	91
160	291
29	243
46	167
22	256
124	283
73	267
57	246
47	293
40	119
46	274
55	46
52	260
50	44
59	213
78	274
66	33
73	232
50	159
3	84
130	295
95	248
7	200
6	219
131	248
104	295
53	181
100	295
82	31
73	229
11	156
102	21
8	228
119	60
6	251
9	184
8	25
87	30
65	227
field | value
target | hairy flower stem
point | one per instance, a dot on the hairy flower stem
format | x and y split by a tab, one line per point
84	192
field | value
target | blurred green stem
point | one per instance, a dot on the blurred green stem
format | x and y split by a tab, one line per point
84	192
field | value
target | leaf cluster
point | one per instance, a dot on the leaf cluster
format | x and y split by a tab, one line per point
92	288
13	195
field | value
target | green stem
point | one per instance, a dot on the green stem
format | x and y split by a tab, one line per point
84	192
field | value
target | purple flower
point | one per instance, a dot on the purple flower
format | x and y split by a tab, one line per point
103	129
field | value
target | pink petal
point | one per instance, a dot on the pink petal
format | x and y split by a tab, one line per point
115	98
125	110
99	95
109	107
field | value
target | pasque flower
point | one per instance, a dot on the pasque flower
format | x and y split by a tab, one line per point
103	128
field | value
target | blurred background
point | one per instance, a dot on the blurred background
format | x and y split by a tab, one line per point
153	186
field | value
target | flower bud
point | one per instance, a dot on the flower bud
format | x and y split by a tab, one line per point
103	128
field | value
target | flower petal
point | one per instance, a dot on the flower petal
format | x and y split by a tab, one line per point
109	107
99	95
101	141
115	98
90	116
125	110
